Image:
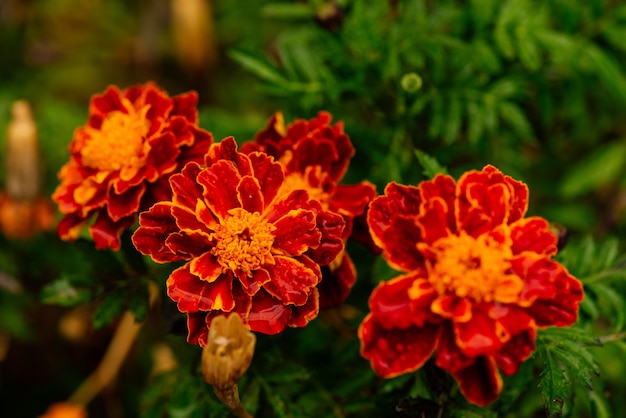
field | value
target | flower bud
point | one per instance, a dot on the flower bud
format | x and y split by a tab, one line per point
22	154
228	351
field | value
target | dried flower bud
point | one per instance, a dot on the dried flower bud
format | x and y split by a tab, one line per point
329	16
22	154
228	351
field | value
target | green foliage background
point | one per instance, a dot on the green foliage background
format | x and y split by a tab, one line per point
536	88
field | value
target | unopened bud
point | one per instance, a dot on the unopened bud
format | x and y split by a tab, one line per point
22	154
228	351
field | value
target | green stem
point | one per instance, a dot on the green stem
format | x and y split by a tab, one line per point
612	337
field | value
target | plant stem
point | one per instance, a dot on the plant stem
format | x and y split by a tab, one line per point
112	360
612	337
230	397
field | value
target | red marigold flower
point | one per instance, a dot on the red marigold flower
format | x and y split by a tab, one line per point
315	156
251	246
478	280
122	157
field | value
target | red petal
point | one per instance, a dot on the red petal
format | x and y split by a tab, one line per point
479	336
391	219
442	188
70	226
518	349
291	280
220	183
106	233
205	267
352	200
197	328
533	234
160	103
193	294
163	153
562	310
267	314
331	245
433	220
227	151
251	285
302	315
186	190
296	232
297	199
155	226
101	104
449	356
185	219
250	197
202	141
121	206
480	383
390	302
453	307
187	244
185	105
269	175
396	351
337	280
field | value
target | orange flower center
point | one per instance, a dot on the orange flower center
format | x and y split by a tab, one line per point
299	181
243	241
477	268
119	140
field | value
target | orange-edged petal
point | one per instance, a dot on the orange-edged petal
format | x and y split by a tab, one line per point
518	349
479	336
291	280
390	302
269	174
352	200
186	244
252	284
268	314
539	275
331	226
561	310
449	356
296	232
433	220
452	307
185	188
70	226
193	294
185	105
302	315
121	206
396	351
197	330
391	219
220	183
106	233
155	226
250	197
297	199
226	151
480	383
533	234
442	188
337	280
206	267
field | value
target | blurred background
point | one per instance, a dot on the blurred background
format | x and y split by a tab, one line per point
536	88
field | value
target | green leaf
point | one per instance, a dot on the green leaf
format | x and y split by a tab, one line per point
65	292
139	303
429	164
603	166
109	308
453	121
258	67
513	115
555	387
293	11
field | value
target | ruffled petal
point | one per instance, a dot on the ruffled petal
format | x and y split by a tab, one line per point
186	244
220	183
296	232
291	280
519	348
479	336
534	235
396	351
106	233
352	200
394	307
302	315
268	314
193	294
250	197
121	206
337	279
480	383
205	267
331	243
155	226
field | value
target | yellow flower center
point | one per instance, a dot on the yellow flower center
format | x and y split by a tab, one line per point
119	140
476	268
298	181
243	241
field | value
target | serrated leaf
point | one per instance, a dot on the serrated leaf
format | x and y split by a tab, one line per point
578	362
601	167
475	127
608	296
65	293
109	309
430	166
555	387
513	115
557	335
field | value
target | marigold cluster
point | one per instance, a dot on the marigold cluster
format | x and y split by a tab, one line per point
122	157
478	281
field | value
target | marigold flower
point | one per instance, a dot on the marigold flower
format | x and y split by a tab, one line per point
252	247
479	279
122	157
315	156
